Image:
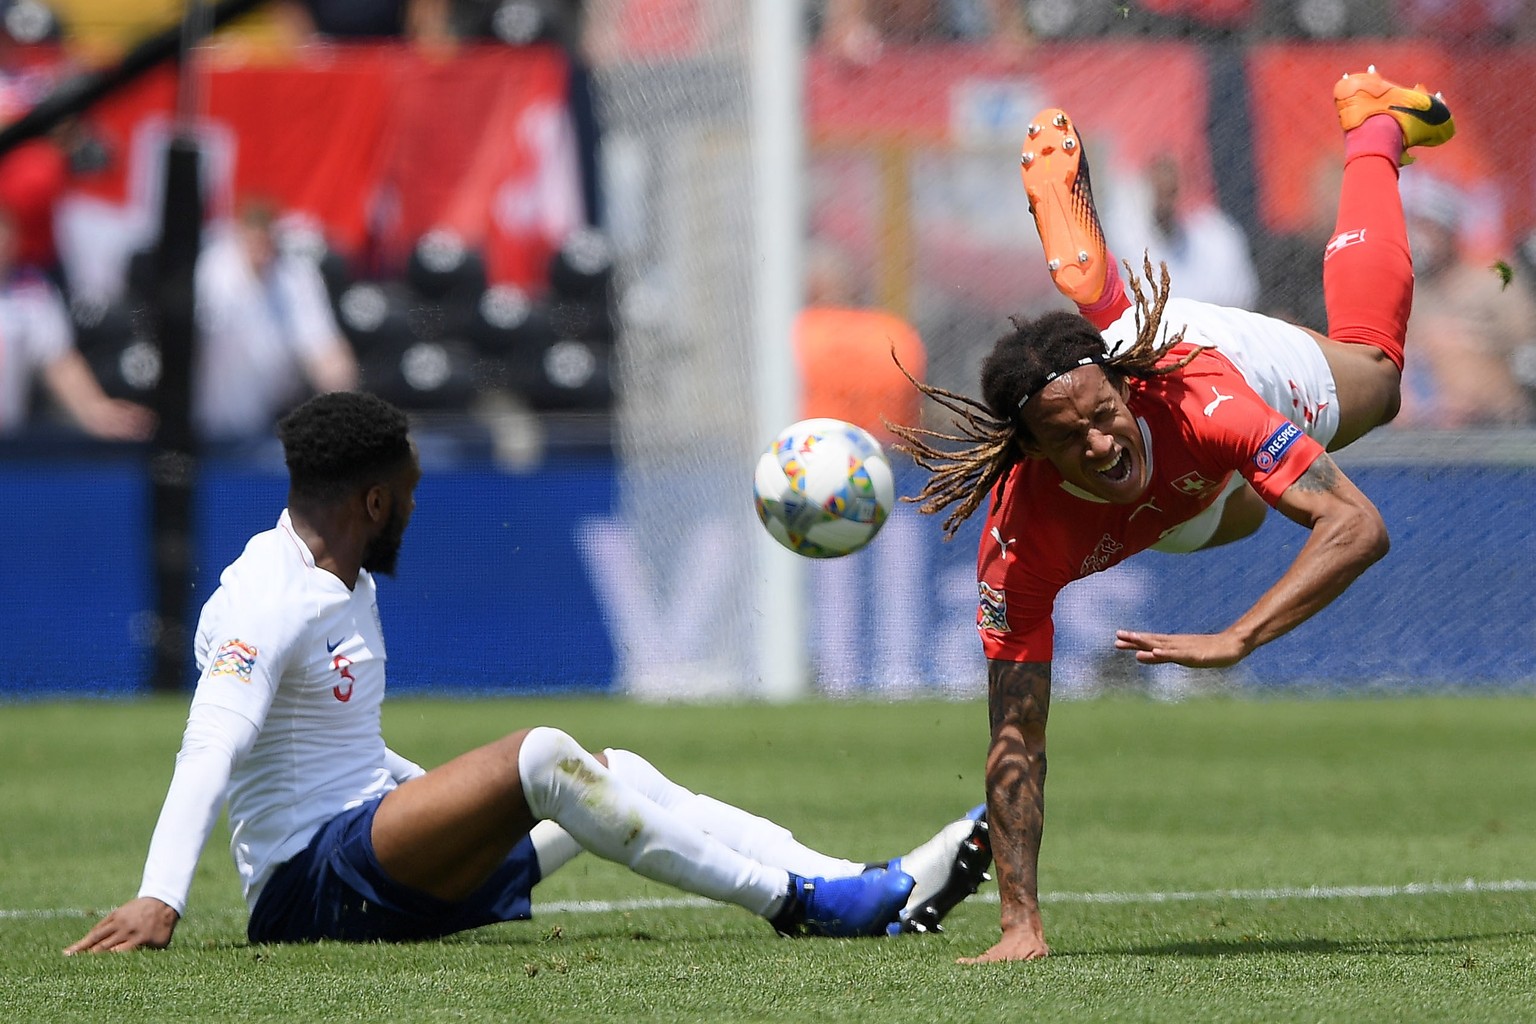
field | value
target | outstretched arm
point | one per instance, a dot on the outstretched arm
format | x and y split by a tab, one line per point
1348	536
214	739
1018	700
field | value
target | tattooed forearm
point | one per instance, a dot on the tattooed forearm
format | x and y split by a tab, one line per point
1322	475
1019	695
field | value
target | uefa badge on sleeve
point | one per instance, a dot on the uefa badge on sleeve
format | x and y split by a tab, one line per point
234	658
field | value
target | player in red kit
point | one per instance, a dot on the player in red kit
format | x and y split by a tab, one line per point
1172	424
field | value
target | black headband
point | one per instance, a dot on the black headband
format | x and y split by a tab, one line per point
1097	359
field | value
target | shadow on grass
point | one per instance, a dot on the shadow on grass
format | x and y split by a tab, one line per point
531	934
1255	945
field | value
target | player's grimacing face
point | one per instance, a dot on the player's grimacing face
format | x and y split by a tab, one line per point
1082	425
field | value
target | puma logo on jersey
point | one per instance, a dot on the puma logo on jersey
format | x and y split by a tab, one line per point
1210	409
1003	544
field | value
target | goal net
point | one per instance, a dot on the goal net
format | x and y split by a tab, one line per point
911	200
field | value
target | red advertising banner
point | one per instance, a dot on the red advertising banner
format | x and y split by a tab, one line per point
915	169
879	132
379	144
484	148
383	143
1135	100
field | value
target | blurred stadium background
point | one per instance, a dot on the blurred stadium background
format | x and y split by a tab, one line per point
576	240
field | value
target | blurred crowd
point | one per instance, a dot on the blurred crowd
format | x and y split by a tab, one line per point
282	314
857	28
1472	338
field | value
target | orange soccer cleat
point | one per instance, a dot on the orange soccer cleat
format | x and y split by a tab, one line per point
1055	172
1424	118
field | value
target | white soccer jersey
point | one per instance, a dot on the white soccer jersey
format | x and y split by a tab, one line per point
289	649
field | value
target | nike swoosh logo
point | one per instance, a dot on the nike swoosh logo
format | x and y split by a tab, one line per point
330	647
1438	113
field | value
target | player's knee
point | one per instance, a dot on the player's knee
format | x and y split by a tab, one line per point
1392	404
1386	390
550	762
1384	399
1370	389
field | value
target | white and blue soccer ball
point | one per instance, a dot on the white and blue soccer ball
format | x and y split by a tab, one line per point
823	488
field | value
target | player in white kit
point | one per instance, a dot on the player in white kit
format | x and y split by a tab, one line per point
335	836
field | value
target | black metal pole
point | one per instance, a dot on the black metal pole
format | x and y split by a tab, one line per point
173	468
173	458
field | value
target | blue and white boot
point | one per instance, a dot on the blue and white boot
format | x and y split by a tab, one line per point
945	870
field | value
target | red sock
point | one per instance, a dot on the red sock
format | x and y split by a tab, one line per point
1107	309
1367	269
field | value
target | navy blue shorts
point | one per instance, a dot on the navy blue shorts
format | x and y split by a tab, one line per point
335	889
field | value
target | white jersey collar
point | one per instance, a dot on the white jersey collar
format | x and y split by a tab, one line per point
285	526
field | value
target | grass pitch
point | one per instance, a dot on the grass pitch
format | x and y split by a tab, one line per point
1216	860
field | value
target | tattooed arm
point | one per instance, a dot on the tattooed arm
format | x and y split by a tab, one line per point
1018	700
1348	536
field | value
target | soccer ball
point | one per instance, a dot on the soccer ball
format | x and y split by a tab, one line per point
823	488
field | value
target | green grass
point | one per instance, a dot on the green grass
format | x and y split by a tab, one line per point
1202	799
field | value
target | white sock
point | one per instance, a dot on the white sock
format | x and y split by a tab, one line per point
564	783
758	838
553	846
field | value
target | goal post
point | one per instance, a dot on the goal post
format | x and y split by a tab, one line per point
778	160
703	162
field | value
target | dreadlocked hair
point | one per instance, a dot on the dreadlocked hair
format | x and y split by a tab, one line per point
1021	363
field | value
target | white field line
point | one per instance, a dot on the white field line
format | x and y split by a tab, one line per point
1310	892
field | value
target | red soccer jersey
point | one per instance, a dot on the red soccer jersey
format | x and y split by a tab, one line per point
1201	424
